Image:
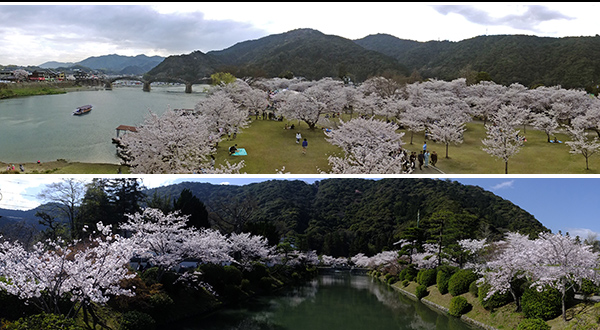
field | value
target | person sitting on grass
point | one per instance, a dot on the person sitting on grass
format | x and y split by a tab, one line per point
232	149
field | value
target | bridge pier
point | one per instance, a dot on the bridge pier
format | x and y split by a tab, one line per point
188	88
146	86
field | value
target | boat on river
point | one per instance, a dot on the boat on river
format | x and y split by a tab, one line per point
82	110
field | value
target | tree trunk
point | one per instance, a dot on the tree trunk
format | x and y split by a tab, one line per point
447	150
505	167
517	301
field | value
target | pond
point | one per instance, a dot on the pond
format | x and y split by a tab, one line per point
333	301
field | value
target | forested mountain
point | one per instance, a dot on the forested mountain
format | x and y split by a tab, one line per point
347	216
118	64
303	52
529	60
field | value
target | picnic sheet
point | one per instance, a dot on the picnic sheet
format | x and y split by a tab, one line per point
240	152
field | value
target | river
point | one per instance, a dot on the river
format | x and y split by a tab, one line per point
330	302
42	128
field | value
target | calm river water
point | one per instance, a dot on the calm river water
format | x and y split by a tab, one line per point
331	302
42	128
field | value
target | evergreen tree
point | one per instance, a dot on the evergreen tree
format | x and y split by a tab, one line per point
190	205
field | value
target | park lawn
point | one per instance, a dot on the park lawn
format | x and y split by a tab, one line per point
537	156
505	317
270	148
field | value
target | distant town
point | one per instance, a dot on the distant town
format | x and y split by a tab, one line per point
22	75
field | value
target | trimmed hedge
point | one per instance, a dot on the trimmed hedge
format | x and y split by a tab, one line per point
459	306
543	305
443	276
409	273
134	320
496	300
427	277
421	292
460	281
43	321
533	324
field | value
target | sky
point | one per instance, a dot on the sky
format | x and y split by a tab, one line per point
569	204
35	33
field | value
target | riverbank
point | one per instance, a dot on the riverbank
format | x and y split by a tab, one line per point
579	316
61	166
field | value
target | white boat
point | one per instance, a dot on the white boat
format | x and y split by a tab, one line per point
82	110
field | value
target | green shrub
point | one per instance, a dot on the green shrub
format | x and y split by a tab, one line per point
459	306
589	288
474	289
543	305
443	276
392	280
496	300
405	283
409	273
232	275
459	282
427	277
134	320
43	322
533	324
421	292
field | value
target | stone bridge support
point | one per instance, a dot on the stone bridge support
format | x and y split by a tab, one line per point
188	87
146	86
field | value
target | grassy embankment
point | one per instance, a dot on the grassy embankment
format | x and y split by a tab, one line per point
504	317
33	88
270	148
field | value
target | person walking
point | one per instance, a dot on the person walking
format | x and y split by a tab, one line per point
424	146
433	158
426	158
420	158
298	137
304	146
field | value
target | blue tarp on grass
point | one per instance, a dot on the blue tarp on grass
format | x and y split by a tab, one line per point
240	152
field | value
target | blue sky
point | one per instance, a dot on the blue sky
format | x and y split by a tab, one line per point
569	204
566	204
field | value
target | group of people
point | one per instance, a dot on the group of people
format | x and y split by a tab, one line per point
12	167
424	158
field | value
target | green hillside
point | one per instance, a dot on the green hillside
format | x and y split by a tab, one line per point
528	60
348	216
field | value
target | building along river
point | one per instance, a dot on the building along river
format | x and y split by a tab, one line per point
43	128
330	302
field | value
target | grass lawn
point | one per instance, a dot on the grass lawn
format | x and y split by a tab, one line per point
505	317
272	148
537	156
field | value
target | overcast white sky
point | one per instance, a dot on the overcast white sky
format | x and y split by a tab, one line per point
39	32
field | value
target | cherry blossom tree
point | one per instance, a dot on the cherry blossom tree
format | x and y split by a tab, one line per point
176	142
511	261
448	128
369	146
582	143
545	123
219	109
166	240
485	98
503	140
307	101
563	262
84	272
247	249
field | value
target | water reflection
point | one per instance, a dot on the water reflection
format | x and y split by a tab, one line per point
340	301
